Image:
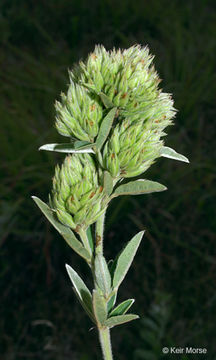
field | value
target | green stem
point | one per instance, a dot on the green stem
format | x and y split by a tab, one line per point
99	234
104	335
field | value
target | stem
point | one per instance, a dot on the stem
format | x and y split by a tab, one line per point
104	335
99	234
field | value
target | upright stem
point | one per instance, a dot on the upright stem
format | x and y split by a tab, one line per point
99	234
104	336
104	333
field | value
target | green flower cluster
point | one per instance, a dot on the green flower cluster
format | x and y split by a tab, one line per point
77	196
78	114
128	80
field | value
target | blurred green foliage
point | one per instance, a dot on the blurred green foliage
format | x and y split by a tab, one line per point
38	314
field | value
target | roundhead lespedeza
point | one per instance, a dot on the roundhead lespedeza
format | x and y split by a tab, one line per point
114	115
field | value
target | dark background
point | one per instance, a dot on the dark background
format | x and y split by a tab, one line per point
173	277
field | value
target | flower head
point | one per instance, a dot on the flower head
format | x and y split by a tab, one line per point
77	197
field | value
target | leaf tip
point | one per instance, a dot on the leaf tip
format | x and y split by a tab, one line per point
68	268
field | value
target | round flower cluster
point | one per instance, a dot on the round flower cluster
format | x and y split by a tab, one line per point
77	196
128	81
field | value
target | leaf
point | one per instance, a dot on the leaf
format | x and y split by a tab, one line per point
102	274
122	308
67	148
65	231
81	290
81	144
125	259
90	314
108	183
111	302
90	238
172	154
106	101
120	319
138	187
105	128
99	306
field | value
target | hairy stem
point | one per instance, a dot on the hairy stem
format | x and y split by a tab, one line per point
104	336
104	333
99	234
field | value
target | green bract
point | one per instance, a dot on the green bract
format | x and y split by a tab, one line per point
77	197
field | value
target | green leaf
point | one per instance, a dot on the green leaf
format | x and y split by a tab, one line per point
99	307
81	290
111	302
65	231
90	238
67	148
105	128
172	154
122	308
106	101
125	259
108	183
120	319
81	144
138	187
102	274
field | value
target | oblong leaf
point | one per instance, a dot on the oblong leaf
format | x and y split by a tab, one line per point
102	274
106	101
111	302
90	238
81	290
65	231
99	307
120	319
125	259
172	154
67	148
138	187
105	128
81	144
122	308
89	313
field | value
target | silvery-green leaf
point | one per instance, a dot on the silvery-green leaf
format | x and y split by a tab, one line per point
120	319
107	183
102	274
66	148
90	238
125	259
65	231
172	154
105	128
106	101
81	290
81	144
111	302
138	187
90	313
99	307
122	308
